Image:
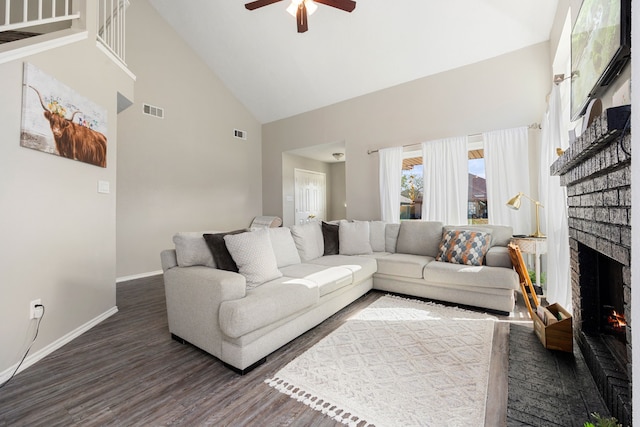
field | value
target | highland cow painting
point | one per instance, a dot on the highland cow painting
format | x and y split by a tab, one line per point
57	120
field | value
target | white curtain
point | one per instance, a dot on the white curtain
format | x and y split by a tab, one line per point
554	198
390	183
506	157
446	180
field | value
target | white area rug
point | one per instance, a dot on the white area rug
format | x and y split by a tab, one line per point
398	362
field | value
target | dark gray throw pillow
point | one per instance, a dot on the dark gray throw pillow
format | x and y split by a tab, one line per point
330	234
219	250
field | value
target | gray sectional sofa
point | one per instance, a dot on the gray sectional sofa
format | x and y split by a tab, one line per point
289	280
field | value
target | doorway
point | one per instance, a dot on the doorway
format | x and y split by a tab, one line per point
310	196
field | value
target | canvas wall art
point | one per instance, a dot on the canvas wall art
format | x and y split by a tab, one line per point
57	120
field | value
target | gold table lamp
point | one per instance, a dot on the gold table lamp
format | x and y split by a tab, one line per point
514	203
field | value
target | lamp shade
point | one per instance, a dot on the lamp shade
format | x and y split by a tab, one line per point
515	201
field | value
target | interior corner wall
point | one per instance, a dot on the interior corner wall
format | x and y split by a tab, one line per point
499	93
338	192
185	172
58	232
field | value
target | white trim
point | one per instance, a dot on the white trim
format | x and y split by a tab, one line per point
27	24
31	46
138	276
45	351
101	46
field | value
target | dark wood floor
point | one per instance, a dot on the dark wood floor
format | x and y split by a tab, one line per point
127	371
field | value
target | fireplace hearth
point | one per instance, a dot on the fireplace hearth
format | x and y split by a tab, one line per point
596	171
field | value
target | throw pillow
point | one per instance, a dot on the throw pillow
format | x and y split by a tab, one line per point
309	240
253	253
331	238
463	247
354	238
283	246
219	251
377	235
391	237
191	249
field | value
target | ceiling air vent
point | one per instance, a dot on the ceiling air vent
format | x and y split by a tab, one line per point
150	110
240	134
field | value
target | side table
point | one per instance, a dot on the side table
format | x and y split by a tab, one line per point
532	245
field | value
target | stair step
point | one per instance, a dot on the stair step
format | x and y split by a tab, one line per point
11	36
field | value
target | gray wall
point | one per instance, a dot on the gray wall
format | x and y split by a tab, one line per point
186	171
338	197
58	233
502	92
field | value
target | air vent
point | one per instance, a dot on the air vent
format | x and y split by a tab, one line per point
153	111
240	134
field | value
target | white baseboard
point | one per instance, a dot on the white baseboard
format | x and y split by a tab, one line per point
138	276
45	351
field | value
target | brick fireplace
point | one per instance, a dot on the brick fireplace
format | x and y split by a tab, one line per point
596	170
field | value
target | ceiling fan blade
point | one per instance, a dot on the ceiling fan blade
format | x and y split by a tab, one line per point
301	17
259	3
346	5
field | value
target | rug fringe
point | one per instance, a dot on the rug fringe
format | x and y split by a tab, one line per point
314	402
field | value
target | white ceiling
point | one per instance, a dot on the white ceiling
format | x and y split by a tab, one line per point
277	73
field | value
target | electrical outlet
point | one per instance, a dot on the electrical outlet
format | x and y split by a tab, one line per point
35	312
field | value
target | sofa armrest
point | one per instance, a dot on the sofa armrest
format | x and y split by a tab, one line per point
498	256
194	295
168	259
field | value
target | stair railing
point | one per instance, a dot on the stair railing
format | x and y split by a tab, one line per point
14	17
111	26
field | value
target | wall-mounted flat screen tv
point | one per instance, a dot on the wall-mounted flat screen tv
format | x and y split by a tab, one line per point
600	48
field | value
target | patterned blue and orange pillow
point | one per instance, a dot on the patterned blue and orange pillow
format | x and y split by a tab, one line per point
463	247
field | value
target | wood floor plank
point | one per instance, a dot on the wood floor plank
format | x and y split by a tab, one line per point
128	371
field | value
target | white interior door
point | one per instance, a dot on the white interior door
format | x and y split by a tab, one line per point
310	196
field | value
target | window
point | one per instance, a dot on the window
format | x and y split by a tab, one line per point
477	202
412	185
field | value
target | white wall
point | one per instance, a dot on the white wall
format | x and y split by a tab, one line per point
58	233
185	172
503	92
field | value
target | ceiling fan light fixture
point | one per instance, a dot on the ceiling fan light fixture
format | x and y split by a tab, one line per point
295	4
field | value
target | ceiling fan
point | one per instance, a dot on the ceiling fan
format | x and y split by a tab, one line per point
301	8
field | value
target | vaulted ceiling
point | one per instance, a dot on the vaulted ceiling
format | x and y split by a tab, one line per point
277	73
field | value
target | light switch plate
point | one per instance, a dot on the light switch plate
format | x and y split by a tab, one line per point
103	187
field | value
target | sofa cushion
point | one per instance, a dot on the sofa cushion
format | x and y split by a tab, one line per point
253	253
219	251
498	256
377	235
354	238
362	267
192	249
419	238
309	240
463	247
266	304
391	237
403	265
330	238
328	279
283	246
469	275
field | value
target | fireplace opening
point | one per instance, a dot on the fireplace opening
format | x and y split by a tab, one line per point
603	301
